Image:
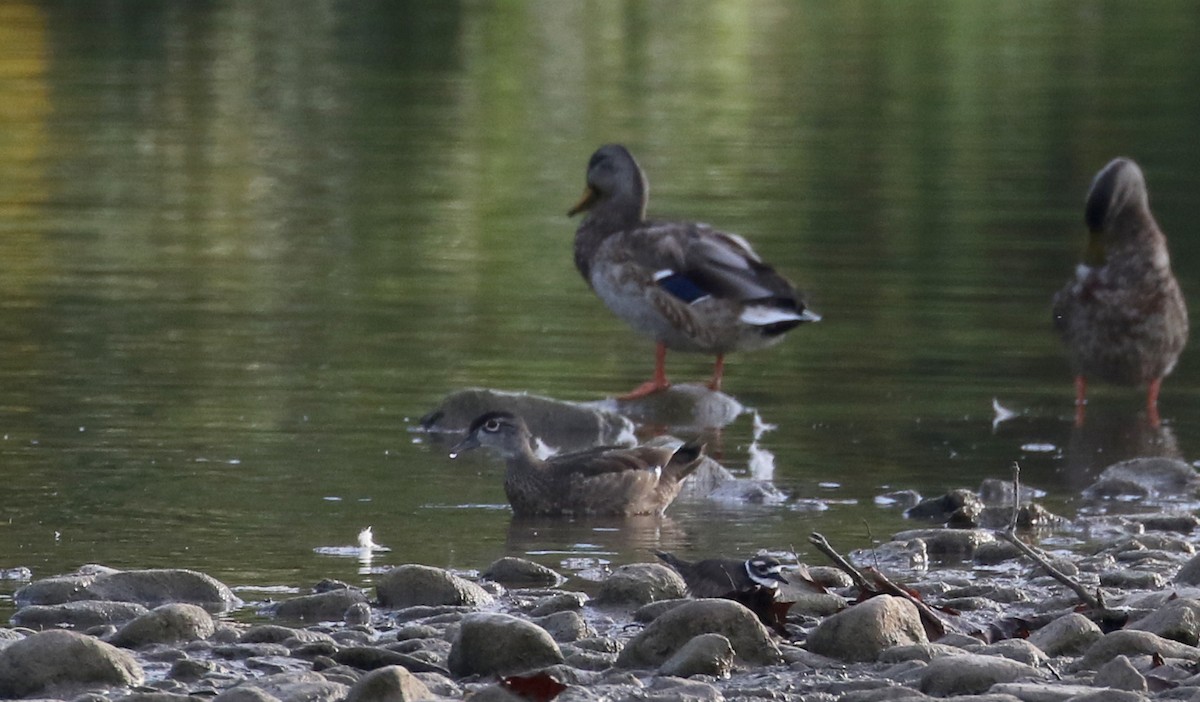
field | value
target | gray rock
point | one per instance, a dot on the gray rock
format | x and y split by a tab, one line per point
411	585
391	684
565	626
668	689
1040	691
1120	674
1069	635
1178	620
894	555
1145	478
1106	695
971	674
688	406
522	572
495	693
1128	642
48	660
357	614
329	606
561	602
190	669
499	644
640	583
374	657
169	623
1128	579
303	686
863	631
668	633
917	652
55	590
77	615
239	693
949	544
706	654
274	633
1019	650
996	552
813	604
1189	574
565	426
163	586
649	612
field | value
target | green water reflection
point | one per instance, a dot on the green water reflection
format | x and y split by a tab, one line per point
244	246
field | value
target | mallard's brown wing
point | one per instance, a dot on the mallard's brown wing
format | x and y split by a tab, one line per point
692	260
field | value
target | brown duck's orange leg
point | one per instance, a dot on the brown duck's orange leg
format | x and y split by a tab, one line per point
1152	402
718	373
656	384
1080	399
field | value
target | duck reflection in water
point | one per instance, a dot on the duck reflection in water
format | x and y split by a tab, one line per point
587	543
685	285
1122	317
1110	436
604	480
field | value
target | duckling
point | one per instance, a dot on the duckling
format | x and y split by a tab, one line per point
718	577
606	480
1122	317
686	285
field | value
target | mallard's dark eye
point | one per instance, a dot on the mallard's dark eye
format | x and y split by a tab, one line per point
491	425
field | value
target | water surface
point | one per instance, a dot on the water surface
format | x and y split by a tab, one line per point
244	248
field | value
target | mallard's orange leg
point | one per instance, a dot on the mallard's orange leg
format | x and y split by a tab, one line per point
1080	399
718	372
658	382
1152	402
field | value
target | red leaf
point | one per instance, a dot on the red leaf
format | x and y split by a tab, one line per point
539	687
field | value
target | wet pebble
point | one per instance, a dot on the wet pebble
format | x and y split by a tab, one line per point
490	644
639	584
972	674
864	631
39	663
521	572
669	632
412	585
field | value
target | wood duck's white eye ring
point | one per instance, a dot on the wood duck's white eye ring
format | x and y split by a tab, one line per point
491	425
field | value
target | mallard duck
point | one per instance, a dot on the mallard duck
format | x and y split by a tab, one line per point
1122	316
606	480
686	285
717	577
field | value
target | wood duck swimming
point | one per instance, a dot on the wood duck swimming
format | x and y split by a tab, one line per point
685	285
721	577
606	480
1122	316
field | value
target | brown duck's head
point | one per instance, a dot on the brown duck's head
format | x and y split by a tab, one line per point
1118	191
503	432
615	181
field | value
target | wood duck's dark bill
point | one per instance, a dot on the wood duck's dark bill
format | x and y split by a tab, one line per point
463	446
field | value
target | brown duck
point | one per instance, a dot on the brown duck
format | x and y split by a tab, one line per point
606	480
1122	316
685	285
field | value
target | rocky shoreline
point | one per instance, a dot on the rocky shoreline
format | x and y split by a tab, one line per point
519	630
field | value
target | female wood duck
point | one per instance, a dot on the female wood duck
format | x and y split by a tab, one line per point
720	577
1122	316
686	285
605	480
